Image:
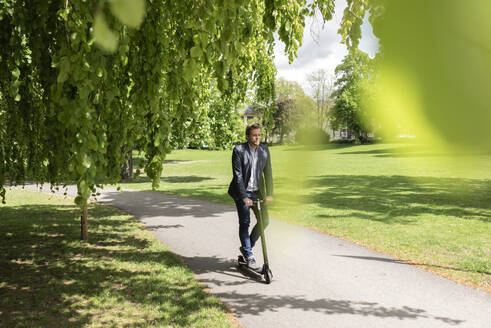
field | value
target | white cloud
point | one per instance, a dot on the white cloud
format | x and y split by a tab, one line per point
326	52
368	42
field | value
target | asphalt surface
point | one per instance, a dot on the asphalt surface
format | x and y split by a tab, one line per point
319	280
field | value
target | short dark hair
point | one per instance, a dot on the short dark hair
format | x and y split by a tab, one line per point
251	127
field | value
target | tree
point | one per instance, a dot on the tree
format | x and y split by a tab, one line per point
351	87
80	82
306	112
288	89
285	117
321	88
294	108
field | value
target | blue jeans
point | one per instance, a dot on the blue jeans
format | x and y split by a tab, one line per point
248	241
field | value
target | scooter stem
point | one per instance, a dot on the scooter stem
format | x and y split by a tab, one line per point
261	230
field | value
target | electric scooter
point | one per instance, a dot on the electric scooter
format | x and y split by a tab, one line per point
265	271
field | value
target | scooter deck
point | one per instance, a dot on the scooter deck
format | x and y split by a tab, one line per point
242	264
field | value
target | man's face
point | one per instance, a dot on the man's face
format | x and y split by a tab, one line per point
254	137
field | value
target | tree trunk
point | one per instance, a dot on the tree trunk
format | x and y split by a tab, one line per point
127	166
83	224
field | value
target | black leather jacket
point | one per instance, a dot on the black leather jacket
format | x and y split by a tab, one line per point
241	167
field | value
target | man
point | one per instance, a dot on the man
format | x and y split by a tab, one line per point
253	180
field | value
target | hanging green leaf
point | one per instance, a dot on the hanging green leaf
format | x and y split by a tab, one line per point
64	69
196	51
16	73
129	12
103	36
189	69
81	131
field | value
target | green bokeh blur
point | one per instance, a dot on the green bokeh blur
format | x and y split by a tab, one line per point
435	72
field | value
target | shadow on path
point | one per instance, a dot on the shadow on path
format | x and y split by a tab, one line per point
227	267
151	204
255	304
158	227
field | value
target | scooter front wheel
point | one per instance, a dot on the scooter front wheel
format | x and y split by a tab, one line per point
268	275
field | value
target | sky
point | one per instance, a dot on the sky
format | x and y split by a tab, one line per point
323	52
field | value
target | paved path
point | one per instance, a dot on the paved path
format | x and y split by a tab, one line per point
319	281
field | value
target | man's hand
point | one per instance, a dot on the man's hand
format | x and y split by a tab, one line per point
268	199
248	201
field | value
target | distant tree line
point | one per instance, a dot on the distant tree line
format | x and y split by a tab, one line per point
336	103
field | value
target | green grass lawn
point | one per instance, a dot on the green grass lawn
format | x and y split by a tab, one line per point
121	277
420	206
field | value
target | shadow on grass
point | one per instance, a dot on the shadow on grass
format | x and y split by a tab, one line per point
410	151
216	194
185	179
138	159
395	199
395	151
173	179
49	278
320	147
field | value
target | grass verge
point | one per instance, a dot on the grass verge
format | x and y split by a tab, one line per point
121	277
